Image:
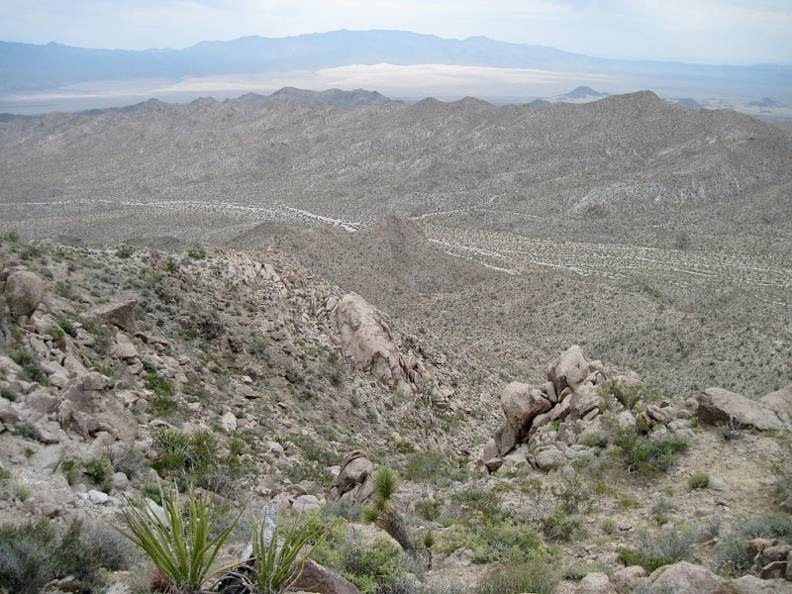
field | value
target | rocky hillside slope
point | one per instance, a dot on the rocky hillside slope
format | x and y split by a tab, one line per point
113	361
656	236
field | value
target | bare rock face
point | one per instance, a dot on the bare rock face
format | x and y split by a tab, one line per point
570	370
685	578
88	408
718	406
355	477
318	579
118	314
521	403
368	341
595	583
781	402
23	293
625	580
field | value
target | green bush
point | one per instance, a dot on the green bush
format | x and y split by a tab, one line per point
87	551
100	471
647	455
7	393
31	370
428	509
608	525
578	571
372	568
540	576
31	555
27	562
700	480
656	549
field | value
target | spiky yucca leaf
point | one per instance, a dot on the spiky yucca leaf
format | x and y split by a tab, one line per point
180	547
277	568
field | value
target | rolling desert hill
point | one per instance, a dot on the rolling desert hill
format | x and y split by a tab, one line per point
660	236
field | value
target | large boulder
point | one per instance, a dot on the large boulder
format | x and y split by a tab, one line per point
521	403
318	579
354	478
721	407
121	314
89	407
781	402
684	578
23	293
367	340
569	370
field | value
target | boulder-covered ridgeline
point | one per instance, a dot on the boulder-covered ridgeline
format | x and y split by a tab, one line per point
565	329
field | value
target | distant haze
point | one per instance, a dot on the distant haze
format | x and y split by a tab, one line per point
41	78
697	31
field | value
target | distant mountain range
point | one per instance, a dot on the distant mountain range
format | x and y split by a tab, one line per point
481	67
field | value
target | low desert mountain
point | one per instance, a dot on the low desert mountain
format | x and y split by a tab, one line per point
565	328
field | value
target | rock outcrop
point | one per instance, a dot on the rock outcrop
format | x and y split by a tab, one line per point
88	408
368	342
717	406
23	292
354	481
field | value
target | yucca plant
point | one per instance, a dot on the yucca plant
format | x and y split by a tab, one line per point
383	510
277	566
181	547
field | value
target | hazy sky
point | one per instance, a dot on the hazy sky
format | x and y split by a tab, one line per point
707	31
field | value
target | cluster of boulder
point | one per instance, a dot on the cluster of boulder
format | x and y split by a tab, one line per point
548	425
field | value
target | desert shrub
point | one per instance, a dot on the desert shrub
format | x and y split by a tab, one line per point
608	525
370	567
660	511
700	480
27	562
772	525
562	526
31	369
540	575
628	501
477	505
578	571
513	538
427	466
659	548
67	326
31	555
100	471
72	470
649	456
8	393
131	462
124	251
429	509
732	557
342	509
87	550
